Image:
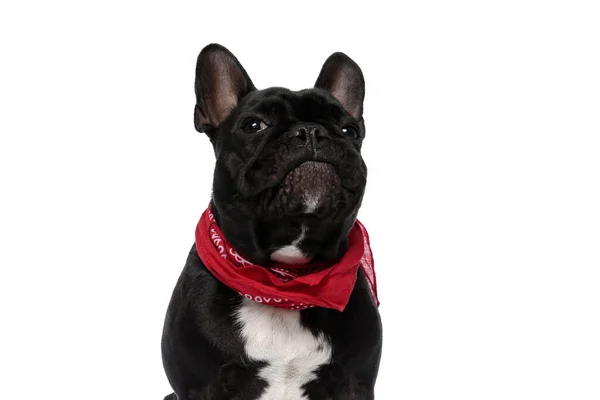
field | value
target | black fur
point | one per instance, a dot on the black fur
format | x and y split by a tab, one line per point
306	141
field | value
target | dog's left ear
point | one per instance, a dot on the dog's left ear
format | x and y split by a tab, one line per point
342	77
221	82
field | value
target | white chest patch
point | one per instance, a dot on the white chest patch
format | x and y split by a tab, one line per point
292	352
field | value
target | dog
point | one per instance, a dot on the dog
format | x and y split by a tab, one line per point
275	301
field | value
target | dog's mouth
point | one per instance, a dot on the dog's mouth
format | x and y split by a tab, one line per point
312	184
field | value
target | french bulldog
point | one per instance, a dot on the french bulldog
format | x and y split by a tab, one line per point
288	183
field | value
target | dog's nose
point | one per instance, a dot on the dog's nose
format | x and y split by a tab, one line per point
311	134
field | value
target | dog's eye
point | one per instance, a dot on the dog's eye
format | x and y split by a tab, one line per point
253	125
351	131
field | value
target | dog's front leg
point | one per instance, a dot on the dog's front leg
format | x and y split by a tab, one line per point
234	380
338	383
352	390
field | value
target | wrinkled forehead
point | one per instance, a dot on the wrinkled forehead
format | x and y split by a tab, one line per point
305	105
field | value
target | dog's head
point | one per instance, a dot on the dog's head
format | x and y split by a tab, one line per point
289	170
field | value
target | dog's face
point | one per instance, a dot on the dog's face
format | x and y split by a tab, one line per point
286	160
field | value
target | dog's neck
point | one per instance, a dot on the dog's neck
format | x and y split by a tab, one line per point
296	240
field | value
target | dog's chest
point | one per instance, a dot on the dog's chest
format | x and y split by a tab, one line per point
291	352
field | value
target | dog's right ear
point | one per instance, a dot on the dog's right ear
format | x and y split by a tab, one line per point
221	82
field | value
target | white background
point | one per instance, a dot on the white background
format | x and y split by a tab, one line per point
483	124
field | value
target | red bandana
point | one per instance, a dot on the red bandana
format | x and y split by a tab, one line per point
295	287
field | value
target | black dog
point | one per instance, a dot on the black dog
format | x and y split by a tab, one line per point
288	183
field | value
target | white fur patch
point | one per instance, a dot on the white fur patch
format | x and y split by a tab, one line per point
291	254
311	201
292	352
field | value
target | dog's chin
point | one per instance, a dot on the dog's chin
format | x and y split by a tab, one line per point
309	187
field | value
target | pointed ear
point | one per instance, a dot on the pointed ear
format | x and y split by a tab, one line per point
221	82
342	77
